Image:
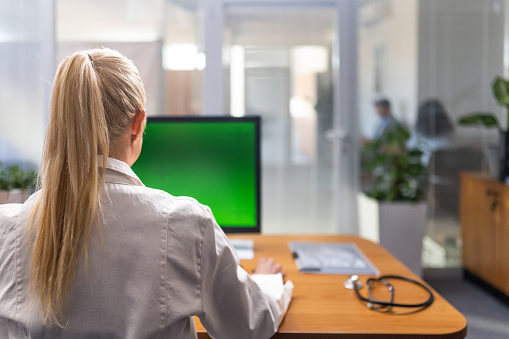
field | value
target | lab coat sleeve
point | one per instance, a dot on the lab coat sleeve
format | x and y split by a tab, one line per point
3	328
234	304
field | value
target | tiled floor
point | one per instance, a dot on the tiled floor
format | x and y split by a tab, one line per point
487	317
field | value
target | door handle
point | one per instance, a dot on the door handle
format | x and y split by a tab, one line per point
336	134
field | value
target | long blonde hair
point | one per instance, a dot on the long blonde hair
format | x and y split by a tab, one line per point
95	96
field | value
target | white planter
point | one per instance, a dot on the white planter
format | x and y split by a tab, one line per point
398	226
14	196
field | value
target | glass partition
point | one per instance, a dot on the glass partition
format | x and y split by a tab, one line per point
26	72
435	60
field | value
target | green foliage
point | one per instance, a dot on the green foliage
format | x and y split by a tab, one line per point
397	171
12	177
500	88
501	91
487	120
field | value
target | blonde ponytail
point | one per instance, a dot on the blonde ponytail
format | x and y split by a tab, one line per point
95	95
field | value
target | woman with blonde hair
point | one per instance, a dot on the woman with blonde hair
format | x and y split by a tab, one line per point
96	254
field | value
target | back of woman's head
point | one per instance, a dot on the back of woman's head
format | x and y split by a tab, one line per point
95	95
433	120
98	84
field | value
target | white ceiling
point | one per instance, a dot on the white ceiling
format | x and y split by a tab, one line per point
179	21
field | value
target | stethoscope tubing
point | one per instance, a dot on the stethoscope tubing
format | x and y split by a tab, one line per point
428	302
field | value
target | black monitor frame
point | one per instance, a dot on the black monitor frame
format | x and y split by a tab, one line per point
225	119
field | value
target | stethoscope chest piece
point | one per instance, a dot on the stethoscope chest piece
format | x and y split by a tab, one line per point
353	283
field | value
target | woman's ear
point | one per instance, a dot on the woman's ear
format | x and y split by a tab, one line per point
138	125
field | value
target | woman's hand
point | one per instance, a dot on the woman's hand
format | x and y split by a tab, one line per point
268	266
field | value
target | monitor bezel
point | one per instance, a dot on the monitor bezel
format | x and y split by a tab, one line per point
227	119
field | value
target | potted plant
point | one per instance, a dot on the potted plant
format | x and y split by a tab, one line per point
393	211
500	88
15	184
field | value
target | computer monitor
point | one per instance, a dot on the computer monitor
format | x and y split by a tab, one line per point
215	160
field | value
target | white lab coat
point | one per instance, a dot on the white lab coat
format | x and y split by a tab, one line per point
162	259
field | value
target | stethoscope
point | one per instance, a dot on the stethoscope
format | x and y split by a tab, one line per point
354	283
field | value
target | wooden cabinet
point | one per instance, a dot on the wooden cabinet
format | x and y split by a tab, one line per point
485	229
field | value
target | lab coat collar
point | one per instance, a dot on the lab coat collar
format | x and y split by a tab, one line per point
118	172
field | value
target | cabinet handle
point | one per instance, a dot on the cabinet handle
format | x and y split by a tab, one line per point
495	195
494	204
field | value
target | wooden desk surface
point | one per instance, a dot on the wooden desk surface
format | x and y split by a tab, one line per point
321	307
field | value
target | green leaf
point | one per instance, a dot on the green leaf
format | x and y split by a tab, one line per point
13	177
501	91
487	120
415	153
395	168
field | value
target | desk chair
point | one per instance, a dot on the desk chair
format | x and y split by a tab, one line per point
444	169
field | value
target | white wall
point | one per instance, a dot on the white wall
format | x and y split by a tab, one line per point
391	26
460	53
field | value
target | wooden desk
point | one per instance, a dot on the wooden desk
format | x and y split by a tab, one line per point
322	308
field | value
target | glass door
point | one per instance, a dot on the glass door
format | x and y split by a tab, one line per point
294	63
278	64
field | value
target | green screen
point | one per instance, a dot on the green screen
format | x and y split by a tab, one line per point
212	160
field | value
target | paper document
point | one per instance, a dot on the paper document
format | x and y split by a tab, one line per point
331	258
244	248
